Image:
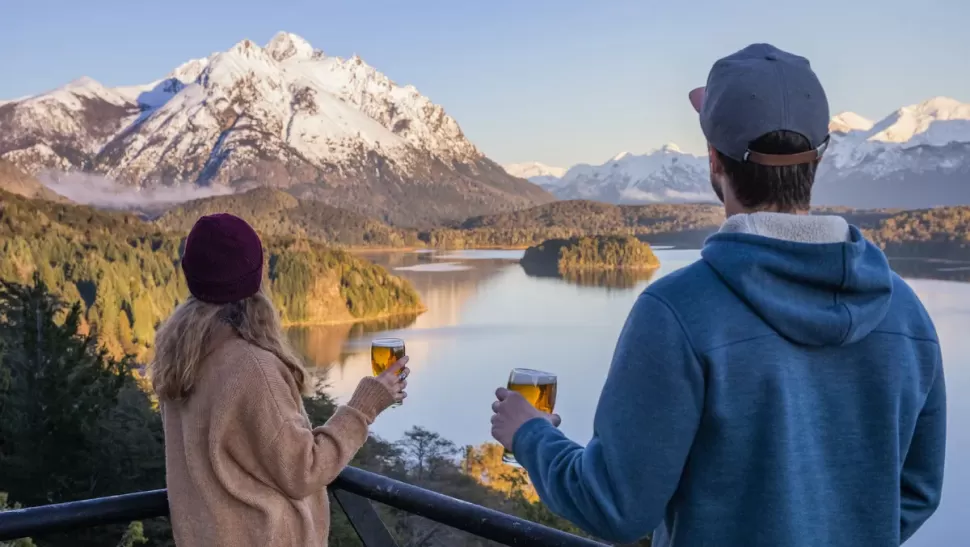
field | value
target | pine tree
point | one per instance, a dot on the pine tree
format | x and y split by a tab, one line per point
73	424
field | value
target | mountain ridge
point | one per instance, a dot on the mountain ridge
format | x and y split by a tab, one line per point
665	175
284	115
916	157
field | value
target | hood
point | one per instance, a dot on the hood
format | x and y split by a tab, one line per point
814	279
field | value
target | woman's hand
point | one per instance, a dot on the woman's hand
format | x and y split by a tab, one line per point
394	378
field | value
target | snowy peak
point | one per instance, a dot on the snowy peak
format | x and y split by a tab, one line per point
247	48
189	71
935	122
532	169
286	45
879	148
282	115
940	108
669	148
849	121
83	88
915	157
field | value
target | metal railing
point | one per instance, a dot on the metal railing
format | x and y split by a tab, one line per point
354	490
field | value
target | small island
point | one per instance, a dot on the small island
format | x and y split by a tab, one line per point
591	253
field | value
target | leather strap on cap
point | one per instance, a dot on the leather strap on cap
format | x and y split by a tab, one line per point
782	160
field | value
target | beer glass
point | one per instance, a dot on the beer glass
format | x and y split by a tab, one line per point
539	388
384	352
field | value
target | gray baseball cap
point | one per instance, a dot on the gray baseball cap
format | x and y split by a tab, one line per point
758	90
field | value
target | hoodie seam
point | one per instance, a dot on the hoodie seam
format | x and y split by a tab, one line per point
680	323
838	300
908	336
776	335
741	341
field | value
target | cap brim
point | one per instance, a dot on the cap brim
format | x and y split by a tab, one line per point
696	97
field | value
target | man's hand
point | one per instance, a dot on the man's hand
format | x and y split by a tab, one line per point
511	412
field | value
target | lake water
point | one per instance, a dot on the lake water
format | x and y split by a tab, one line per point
486	315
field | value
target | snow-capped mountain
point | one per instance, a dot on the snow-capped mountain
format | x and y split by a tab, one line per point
919	156
284	115
849	121
538	173
664	175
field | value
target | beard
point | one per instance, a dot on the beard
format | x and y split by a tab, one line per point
716	186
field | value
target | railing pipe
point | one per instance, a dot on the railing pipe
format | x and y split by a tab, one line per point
63	517
471	518
462	515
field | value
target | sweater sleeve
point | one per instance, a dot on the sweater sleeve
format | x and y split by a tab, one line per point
921	479
301	460
618	486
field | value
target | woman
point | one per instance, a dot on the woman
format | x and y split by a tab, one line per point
244	465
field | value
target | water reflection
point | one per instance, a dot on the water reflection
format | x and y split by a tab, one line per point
932	268
340	353
608	279
324	345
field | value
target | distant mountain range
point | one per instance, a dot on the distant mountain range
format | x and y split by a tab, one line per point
284	115
666	175
917	157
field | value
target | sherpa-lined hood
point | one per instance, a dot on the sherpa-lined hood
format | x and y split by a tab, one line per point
814	279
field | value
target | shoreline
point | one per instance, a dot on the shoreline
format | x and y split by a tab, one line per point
609	268
358	250
382	250
352	321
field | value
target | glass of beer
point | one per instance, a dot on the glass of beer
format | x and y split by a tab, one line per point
539	388
384	352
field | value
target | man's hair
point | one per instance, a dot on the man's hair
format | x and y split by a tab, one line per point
787	188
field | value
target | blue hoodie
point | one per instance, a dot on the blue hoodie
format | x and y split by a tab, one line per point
774	393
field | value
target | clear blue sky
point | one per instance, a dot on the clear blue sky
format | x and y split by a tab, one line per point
557	81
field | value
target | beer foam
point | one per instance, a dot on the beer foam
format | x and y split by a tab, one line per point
530	376
388	343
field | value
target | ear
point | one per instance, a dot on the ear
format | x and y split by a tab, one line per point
716	167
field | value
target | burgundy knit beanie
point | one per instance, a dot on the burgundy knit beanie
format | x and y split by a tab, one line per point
223	259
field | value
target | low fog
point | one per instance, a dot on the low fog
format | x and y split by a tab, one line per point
102	192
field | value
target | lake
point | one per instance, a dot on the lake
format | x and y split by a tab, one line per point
487	315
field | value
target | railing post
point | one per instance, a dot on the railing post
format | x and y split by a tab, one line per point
365	520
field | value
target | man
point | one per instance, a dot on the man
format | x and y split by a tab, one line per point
785	390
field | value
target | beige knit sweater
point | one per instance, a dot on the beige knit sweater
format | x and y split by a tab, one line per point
244	466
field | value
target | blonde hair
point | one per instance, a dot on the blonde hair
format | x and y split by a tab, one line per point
182	341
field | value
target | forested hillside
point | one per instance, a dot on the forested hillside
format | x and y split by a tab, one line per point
126	273
275	213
